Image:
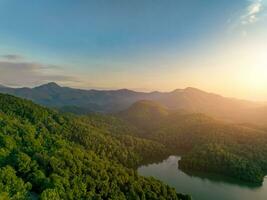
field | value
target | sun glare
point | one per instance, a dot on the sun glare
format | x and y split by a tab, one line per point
256	78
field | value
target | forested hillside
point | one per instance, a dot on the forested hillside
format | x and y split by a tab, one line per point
206	144
47	155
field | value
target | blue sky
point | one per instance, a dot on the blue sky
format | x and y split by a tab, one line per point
141	44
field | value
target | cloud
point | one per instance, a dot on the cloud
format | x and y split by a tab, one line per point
252	13
12	57
30	74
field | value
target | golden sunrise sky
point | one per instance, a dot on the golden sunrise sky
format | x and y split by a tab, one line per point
217	46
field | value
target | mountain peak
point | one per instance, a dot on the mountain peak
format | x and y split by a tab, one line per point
49	85
192	89
188	89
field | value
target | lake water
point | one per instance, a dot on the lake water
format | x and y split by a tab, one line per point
202	187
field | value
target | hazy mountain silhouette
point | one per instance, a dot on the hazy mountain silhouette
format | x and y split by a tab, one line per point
190	99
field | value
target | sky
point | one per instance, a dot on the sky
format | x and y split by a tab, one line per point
145	45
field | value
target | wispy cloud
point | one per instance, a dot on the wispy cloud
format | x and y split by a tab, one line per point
18	73
253	12
248	18
12	57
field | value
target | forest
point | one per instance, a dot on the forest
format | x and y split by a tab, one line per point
205	144
133	100
47	155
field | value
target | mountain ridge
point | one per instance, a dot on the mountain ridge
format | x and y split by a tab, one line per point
178	90
113	101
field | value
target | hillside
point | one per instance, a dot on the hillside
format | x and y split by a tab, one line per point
206	144
53	156
142	112
111	101
63	156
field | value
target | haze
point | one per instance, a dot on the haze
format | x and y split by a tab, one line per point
217	46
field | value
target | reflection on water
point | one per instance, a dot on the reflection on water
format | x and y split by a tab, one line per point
222	179
203	186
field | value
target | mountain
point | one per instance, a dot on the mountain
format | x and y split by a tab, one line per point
228	109
46	155
206	144
112	101
144	111
49	154
53	95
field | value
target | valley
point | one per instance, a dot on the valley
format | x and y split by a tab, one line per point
203	186
50	152
133	100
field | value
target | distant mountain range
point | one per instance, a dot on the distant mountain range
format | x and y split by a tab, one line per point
111	101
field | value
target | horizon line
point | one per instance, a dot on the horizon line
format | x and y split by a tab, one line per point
132	90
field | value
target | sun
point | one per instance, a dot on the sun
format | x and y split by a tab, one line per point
256	78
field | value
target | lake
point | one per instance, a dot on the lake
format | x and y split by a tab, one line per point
202	186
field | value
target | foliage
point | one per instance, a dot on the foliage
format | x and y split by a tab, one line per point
208	145
58	156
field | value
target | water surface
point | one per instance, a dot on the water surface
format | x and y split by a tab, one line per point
203	186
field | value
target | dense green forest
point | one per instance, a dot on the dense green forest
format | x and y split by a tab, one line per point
47	155
206	144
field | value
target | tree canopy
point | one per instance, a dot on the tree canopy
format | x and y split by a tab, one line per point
48	155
